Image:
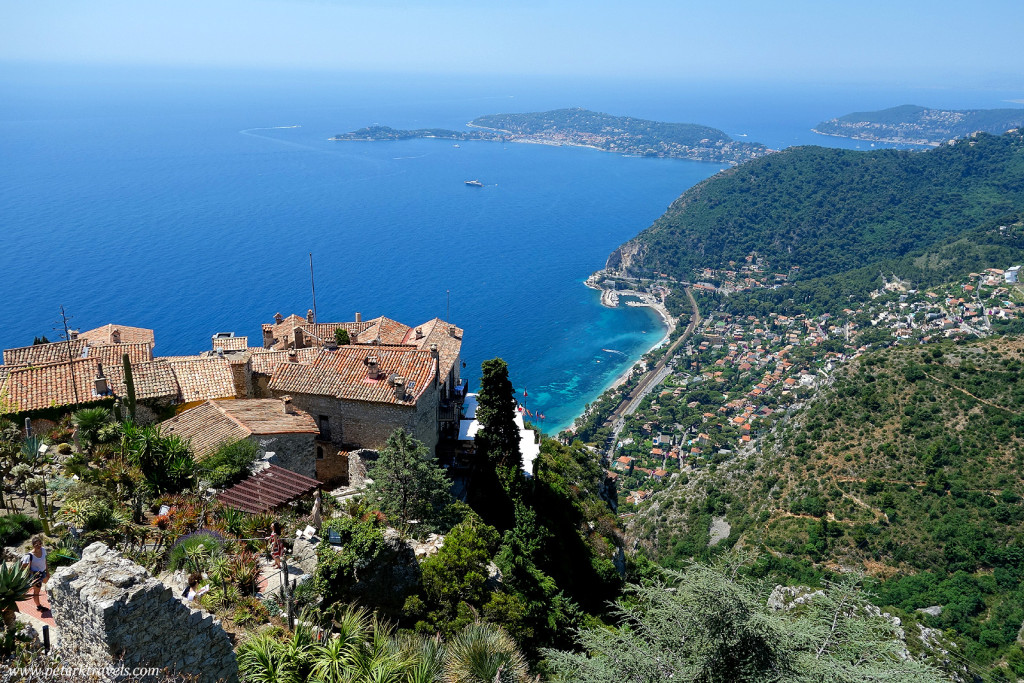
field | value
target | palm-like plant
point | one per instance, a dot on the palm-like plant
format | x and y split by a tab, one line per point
89	422
261	660
484	653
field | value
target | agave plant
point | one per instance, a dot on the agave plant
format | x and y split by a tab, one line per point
15	581
244	571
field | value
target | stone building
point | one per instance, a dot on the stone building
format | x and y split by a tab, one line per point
109	612
359	394
275	425
389	376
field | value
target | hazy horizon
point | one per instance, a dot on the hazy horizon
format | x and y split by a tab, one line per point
932	44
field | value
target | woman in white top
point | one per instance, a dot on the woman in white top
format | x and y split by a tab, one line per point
35	561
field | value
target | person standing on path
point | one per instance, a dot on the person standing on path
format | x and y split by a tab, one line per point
35	562
276	544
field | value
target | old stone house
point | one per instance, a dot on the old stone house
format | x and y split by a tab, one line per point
275	425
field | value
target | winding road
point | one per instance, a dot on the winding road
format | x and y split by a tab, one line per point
651	379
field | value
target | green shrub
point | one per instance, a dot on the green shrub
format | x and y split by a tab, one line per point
17	527
230	463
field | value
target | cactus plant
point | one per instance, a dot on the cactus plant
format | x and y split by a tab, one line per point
129	383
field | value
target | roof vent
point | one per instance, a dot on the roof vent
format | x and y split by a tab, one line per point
392	378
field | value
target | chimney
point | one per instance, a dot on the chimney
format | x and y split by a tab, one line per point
293	357
220	351
300	338
74	334
100	383
437	365
309	316
115	336
419	333
372	367
400	388
278	319
287	404
359	317
452	331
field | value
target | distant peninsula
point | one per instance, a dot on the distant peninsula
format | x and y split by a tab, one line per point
583	128
914	125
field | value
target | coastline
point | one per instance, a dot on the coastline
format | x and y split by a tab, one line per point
609	299
887	141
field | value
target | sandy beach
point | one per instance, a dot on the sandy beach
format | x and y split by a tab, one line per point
610	298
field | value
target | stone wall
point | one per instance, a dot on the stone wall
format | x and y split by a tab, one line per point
358	462
109	610
333	466
368	424
295	452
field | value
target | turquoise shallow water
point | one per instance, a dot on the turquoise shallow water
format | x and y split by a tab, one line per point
188	203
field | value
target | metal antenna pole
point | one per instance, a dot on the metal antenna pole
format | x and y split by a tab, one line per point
312	284
71	364
448	312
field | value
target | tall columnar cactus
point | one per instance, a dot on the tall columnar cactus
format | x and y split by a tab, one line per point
129	383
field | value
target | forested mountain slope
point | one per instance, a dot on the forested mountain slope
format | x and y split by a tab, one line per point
906	466
828	211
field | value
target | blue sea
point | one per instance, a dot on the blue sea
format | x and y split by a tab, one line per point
188	201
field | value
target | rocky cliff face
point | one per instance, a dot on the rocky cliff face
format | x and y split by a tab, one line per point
627	259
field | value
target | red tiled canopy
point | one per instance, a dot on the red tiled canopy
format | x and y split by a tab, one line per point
267	490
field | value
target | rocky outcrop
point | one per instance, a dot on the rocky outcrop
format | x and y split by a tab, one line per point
109	612
627	259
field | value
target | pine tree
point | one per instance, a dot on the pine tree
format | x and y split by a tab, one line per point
498	438
408	483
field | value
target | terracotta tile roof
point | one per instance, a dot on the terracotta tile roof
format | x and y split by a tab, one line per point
283	333
54	352
342	373
153	380
113	354
265	362
44	386
449	345
324	332
387	330
118	334
205	428
231	343
213	423
35	387
268	489
203	378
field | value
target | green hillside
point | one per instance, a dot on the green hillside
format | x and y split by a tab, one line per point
815	212
906	466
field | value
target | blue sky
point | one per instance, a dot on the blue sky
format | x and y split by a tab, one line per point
895	41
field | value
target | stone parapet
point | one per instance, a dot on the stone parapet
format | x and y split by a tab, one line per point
109	611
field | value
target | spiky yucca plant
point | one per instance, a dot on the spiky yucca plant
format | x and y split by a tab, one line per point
484	653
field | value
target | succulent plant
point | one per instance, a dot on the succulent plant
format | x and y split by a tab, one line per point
15	580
